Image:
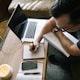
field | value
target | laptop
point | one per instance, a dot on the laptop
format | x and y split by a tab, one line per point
26	29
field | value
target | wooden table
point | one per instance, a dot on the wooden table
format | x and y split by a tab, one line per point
11	54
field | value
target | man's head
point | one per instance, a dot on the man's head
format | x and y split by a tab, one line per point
71	8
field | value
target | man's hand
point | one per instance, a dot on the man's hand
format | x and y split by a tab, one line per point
34	47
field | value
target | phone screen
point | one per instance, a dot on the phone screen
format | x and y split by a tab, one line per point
29	65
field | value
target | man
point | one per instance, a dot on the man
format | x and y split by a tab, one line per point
65	15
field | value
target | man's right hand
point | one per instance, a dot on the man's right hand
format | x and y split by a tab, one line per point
34	47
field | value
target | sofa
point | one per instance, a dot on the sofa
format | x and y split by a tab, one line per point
33	8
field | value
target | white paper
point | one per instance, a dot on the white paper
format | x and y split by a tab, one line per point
72	38
21	76
29	55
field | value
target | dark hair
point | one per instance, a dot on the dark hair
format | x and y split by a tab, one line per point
70	7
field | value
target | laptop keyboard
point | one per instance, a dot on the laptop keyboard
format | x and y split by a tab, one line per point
31	30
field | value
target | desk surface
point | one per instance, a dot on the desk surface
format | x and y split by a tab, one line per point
11	54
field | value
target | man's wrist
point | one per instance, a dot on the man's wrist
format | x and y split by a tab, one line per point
57	29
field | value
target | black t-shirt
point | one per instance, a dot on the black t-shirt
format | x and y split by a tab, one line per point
77	35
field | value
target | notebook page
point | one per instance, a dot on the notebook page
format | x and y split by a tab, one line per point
29	55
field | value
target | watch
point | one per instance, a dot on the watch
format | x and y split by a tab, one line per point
57	29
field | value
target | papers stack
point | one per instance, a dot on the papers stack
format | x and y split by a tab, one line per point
29	76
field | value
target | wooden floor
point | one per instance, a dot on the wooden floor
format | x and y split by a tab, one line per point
3	28
3	32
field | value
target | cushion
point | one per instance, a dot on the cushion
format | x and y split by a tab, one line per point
33	8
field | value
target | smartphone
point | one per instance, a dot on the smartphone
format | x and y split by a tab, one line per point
29	65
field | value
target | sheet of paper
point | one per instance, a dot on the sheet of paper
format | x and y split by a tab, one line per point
54	41
29	55
21	76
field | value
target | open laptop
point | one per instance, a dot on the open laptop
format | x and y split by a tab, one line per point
27	29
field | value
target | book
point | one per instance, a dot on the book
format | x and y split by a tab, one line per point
30	74
54	41
29	55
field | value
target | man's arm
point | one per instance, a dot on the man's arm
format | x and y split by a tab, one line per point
70	47
47	28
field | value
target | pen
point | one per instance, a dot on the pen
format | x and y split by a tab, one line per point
33	46
34	73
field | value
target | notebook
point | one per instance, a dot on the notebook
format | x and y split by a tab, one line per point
29	55
54	41
26	29
22	76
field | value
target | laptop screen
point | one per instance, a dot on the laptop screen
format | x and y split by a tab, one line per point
17	21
